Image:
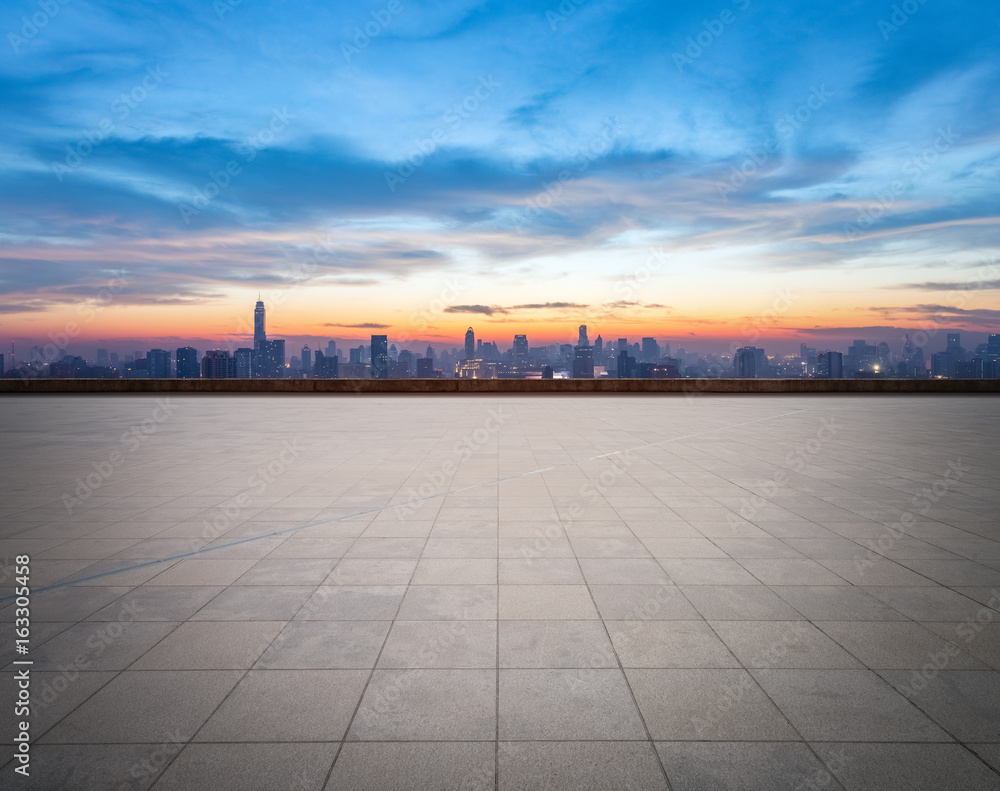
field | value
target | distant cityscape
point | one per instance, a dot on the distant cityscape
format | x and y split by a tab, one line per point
476	359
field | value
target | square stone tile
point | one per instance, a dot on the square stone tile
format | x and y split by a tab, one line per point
288	571
748	766
250	767
445	644
325	645
682	547
623	571
287	706
928	604
427	705
837	603
451	571
579	766
980	638
691	644
449	602
596	547
366	547
966	703
790	571
707	571
158	604
99	645
897	645
545	602
227	645
81	767
914	767
302	546
354	571
146	706
414	766
555	644
782	644
355	603
846	705
255	603
706	705
203	571
540	571
739	603
567	705
642	602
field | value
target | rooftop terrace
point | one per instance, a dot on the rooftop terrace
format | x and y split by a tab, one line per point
475	592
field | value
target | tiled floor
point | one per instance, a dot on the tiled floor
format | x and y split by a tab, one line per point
557	592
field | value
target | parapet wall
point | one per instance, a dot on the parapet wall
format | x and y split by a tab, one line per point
496	386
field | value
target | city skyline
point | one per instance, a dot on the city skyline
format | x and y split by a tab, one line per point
530	167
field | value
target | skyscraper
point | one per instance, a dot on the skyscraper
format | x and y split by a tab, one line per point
380	357
244	363
470	344
217	364
650	350
583	362
307	363
187	363
583	336
159	363
520	351
259	340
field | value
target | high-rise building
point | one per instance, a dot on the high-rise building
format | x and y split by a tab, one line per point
750	362
244	363
583	336
325	366
520	356
583	362
993	344
307	362
830	365
650	350
598	346
159	364
425	368
217	364
187	363
102	358
260	340
2	369
470	344
954	343
380	357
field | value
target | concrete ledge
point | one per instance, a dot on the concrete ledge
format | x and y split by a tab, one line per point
376	386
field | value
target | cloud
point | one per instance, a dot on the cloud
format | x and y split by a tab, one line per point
485	310
365	326
970	285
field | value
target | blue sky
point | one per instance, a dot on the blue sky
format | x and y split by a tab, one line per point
536	153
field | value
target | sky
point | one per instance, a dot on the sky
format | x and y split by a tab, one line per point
706	173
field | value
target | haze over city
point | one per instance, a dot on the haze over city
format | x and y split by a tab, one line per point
814	173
